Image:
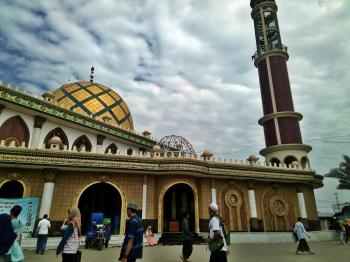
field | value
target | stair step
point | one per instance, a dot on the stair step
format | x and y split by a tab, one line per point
176	239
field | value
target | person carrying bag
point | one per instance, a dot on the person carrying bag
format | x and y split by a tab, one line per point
216	239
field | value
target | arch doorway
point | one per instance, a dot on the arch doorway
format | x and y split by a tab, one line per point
100	198
178	199
12	189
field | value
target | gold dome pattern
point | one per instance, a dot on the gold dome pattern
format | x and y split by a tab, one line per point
96	100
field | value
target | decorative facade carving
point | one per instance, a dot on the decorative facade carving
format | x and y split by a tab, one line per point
278	206
103	178
39	121
14	176
233	202
51	175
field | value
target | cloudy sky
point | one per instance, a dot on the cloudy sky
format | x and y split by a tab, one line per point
184	67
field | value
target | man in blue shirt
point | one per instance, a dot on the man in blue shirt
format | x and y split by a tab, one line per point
133	241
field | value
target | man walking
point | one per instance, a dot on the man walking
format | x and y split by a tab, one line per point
299	229
133	240
186	238
42	230
216	239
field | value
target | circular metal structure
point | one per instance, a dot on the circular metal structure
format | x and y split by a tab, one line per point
178	144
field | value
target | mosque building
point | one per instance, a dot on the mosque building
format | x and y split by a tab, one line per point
76	146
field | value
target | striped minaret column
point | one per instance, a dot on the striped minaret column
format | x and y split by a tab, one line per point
284	144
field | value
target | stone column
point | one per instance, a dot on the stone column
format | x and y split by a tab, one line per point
100	139
301	202
213	191
254	222
252	203
213	195
144	197
38	124
47	196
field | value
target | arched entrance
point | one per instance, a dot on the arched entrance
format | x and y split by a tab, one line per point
177	199
101	198
12	189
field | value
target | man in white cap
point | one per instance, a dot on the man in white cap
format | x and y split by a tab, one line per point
216	239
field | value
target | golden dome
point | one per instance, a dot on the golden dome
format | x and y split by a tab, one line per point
96	100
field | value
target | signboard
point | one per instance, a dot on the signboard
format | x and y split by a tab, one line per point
29	209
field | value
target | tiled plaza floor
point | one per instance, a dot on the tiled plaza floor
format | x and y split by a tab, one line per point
324	251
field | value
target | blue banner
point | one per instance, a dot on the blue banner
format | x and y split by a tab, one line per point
29	209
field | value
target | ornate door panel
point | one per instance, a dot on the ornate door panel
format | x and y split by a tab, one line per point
235	209
278	210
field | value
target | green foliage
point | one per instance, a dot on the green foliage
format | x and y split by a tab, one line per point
342	173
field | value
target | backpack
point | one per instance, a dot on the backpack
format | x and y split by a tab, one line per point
224	230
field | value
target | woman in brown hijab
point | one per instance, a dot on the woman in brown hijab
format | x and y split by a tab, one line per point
70	241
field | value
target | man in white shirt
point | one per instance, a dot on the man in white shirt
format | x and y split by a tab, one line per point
42	231
215	232
299	229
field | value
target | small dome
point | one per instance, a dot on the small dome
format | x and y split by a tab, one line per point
48	94
146	133
156	149
207	153
252	159
295	163
55	141
95	100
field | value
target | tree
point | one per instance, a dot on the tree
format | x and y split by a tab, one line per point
342	173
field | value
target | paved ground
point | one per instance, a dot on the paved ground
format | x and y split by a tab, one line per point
324	251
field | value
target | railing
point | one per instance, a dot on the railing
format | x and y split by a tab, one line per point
267	49
163	155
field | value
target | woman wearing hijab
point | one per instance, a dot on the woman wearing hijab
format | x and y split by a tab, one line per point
69	244
7	236
150	236
15	252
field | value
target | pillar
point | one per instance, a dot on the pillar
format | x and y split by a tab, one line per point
254	221
213	195
144	197
213	191
252	203
99	148
301	202
48	190
38	124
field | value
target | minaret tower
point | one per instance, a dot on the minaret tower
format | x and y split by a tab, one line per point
281	123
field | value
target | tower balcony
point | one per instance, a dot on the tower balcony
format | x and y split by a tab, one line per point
266	50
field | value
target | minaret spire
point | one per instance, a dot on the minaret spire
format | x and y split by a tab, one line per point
92	74
281	123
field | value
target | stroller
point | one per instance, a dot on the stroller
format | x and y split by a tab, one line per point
95	237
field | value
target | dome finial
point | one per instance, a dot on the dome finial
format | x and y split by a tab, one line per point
92	74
